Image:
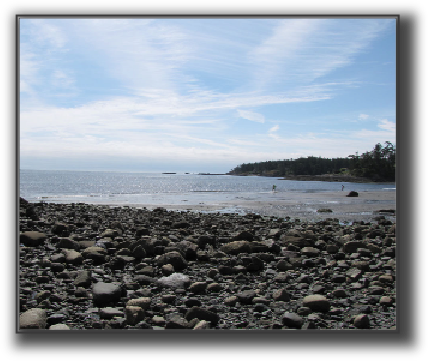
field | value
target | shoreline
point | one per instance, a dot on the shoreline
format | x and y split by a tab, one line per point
323	178
305	206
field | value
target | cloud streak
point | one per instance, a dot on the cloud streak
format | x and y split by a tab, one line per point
176	88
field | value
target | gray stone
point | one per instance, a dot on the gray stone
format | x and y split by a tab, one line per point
178	322
110	313
59	327
73	257
362	321
236	247
33	319
351	247
202	314
246	296
106	293
173	258
317	303
142	302
281	295
32	238
83	279
176	280
292	320
134	314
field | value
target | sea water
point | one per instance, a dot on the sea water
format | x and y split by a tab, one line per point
122	188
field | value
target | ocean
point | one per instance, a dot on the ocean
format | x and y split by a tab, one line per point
122	188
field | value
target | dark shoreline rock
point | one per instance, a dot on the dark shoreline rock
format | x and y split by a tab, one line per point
131	268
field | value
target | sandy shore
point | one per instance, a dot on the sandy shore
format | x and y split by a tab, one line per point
300	205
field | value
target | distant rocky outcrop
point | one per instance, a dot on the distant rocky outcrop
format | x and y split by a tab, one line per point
352	194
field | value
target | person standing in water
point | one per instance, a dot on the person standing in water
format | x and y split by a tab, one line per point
343	187
274	188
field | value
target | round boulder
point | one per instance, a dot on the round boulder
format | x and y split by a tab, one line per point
106	293
317	303
173	258
32	238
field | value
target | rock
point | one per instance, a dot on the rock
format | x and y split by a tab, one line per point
147	270
332	249
106	293
253	264
386	301
281	295
134	314
167	270
181	225
317	303
361	265
57	267
282	277
59	327
142	302
144	280
67	243
178	322
292	320
352	246
110	313
96	254
213	272
339	293
142	232
138	253
310	251
246	296
32	238
201	325
362	321
117	263
214	287
354	274
60	229
202	314
33	319
73	257
231	300
244	236
58	258
83	279
284	265
192	302
386	279
176	280
188	250
112	233
204	240
81	292
318	289
158	321
173	258
236	247
198	287
352	194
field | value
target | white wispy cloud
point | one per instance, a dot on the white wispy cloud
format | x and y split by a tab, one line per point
274	129
175	89
250	115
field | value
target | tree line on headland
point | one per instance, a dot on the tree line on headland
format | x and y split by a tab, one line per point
377	165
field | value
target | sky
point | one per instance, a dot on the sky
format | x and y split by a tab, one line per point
202	94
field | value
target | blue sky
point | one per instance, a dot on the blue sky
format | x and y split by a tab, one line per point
201	94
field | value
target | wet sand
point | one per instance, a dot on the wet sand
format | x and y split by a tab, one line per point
300	205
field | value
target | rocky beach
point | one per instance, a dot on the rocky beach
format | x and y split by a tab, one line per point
87	267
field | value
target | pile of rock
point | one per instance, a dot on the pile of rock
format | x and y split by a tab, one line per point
101	267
